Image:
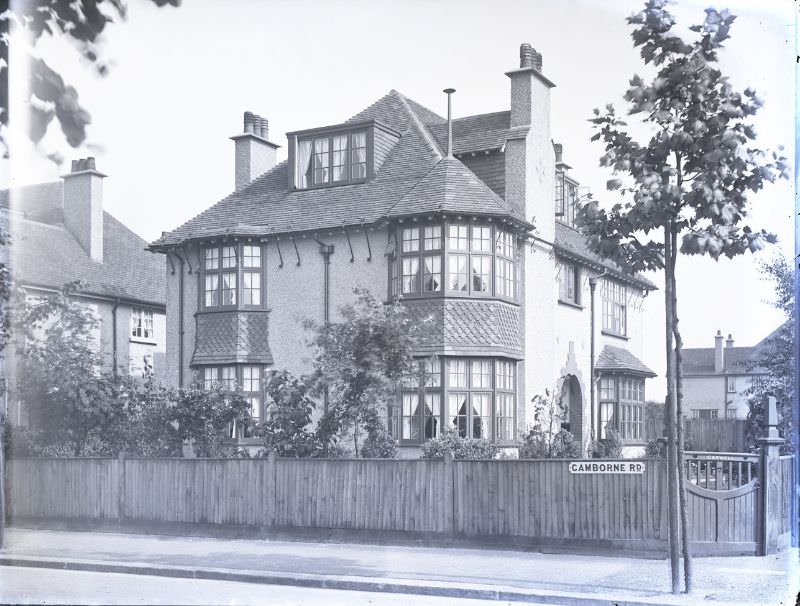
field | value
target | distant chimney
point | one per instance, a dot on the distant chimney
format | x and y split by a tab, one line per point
719	354
83	206
559	150
729	341
255	154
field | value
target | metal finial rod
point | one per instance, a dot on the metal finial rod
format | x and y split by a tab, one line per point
449	92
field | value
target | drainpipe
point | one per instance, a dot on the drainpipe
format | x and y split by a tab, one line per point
326	250
592	287
114	352
180	322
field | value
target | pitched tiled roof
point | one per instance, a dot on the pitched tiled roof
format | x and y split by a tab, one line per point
266	205
232	337
617	359
571	244
46	254
40	202
475	133
700	360
450	187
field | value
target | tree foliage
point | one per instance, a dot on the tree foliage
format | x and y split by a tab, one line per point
83	24
547	439
359	360
75	404
776	356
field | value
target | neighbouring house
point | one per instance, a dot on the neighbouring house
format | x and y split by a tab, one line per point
717	380
60	234
469	220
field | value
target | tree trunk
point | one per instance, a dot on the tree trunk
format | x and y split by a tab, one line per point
355	437
687	560
2	479
672	431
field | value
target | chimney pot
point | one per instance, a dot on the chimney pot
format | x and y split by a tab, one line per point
264	128
537	61
719	354
75	165
729	341
559	149
90	163
526	55
248	122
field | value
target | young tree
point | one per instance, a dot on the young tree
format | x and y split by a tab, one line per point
359	360
547	439
777	357
685	188
83	24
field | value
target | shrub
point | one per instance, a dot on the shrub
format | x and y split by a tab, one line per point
609	447
657	449
561	445
462	448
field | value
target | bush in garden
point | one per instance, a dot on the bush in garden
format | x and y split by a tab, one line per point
461	447
547	439
609	447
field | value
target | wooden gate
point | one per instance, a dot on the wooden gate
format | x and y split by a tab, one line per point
723	497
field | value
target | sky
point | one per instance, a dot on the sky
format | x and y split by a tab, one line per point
180	80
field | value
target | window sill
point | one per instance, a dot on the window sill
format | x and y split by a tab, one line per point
616	335
144	341
570	304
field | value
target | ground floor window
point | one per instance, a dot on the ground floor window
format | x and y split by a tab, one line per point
476	396
622	406
704	413
248	380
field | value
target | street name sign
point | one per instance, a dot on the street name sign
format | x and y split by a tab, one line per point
606	467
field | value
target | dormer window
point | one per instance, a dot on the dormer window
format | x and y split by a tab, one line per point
331	157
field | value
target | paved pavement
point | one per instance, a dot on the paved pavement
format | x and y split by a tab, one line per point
451	572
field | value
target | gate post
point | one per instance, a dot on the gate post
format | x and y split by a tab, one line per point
769	510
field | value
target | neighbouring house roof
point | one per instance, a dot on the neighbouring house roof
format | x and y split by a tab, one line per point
618	359
738	360
47	255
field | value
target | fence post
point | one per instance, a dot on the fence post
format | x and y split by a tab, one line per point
272	472
770	514
121	487
450	479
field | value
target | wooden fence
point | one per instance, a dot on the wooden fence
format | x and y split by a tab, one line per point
710	435
526	502
540	502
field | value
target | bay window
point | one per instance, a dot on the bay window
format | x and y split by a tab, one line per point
245	379
476	396
622	406
454	259
233	276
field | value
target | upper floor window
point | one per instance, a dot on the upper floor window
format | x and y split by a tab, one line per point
331	159
566	199
731	384
615	307
142	324
233	276
569	283
455	259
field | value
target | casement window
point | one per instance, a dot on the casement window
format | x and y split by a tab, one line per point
731	413
476	396
569	283
233	276
615	307
454	259
731	384
631	406
421	405
566	199
330	159
247	380
142	324
608	404
704	413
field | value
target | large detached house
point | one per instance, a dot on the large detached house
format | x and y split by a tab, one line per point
469	221
61	234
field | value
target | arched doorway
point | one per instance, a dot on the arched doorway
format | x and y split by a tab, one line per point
572	399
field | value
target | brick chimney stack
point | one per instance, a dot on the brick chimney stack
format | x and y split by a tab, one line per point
83	206
255	154
719	353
